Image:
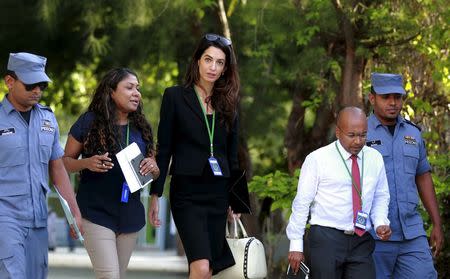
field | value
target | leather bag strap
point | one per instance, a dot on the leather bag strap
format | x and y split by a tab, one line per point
236	234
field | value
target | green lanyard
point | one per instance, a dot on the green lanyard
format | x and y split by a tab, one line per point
210	132
128	136
349	173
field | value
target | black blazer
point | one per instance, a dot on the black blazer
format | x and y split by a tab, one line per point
183	136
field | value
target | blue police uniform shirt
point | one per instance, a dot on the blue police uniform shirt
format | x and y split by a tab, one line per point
26	150
405	157
99	194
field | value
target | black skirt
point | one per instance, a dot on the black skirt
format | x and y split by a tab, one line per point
199	207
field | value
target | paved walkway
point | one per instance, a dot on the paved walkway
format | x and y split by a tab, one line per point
148	259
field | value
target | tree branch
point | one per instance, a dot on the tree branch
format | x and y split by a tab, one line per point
384	41
224	19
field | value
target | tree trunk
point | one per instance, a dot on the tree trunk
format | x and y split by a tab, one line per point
251	221
299	143
295	132
353	67
224	19
352	75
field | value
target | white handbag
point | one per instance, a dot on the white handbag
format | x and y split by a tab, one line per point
248	253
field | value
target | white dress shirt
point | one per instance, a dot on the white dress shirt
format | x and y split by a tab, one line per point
325	188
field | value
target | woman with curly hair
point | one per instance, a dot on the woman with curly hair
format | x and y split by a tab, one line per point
198	133
113	120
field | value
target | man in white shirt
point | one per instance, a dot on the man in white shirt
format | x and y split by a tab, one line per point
343	186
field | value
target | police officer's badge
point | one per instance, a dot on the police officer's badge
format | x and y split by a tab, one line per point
410	140
47	126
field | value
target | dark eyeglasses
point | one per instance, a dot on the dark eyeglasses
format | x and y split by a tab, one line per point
41	85
29	87
213	37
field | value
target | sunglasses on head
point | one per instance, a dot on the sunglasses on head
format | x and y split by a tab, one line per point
213	37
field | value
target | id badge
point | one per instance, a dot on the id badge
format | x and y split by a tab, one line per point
215	166
361	220
125	193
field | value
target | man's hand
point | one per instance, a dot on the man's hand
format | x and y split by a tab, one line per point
79	223
294	258
436	240
427	194
384	232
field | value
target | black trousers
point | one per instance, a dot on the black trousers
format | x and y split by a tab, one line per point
333	254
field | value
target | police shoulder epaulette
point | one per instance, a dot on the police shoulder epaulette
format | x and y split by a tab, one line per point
413	124
44	107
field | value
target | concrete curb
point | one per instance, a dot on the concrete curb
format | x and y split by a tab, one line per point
142	260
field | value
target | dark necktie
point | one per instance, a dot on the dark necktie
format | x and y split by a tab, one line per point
355	193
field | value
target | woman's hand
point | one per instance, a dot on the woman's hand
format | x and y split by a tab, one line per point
231	215
148	165
99	163
153	211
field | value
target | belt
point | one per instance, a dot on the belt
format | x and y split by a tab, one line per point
346	232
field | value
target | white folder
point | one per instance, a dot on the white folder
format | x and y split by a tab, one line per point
69	216
134	179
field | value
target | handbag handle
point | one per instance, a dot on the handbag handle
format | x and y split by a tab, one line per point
236	221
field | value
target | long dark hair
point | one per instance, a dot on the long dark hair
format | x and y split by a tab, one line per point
103	135
225	93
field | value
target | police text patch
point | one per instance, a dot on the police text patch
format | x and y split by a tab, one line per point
7	131
47	126
410	140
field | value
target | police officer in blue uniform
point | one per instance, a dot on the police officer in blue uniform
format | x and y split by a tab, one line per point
407	254
29	153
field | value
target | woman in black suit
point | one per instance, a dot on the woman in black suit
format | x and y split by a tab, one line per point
198	133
